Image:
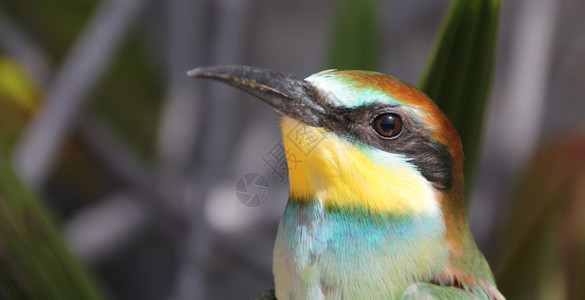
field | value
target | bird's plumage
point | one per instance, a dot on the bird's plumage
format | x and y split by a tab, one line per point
369	216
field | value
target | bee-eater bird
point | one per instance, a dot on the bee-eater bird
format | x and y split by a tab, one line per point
375	208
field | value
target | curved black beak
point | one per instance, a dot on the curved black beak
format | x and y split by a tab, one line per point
287	94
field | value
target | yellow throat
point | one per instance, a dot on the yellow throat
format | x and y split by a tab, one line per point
341	172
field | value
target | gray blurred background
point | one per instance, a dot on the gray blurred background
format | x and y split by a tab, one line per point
140	163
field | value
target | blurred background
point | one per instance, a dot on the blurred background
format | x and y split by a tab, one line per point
138	164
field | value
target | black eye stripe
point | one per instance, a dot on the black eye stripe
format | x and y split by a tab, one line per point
431	157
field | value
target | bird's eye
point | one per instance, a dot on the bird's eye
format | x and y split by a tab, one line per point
388	125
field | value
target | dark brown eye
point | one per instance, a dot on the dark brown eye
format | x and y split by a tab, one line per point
388	125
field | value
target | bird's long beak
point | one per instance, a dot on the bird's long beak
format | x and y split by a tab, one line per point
287	94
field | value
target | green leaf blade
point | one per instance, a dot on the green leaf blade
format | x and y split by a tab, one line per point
34	261
459	73
355	41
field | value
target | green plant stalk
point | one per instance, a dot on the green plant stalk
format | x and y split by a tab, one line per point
459	73
9	287
544	231
355	36
34	261
580	292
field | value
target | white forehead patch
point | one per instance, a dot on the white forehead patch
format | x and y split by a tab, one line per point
342	91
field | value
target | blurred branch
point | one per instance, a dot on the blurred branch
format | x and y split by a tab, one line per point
127	212
180	125
114	153
179	132
23	49
515	124
69	91
106	227
525	90
227	47
233	16
181	113
249	251
187	47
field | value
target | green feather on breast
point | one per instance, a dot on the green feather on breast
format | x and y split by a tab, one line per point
350	253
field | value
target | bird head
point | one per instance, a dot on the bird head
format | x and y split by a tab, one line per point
359	139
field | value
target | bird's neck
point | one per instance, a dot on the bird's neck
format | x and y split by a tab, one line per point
353	253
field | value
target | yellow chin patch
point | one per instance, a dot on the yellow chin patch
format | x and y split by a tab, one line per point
337	171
